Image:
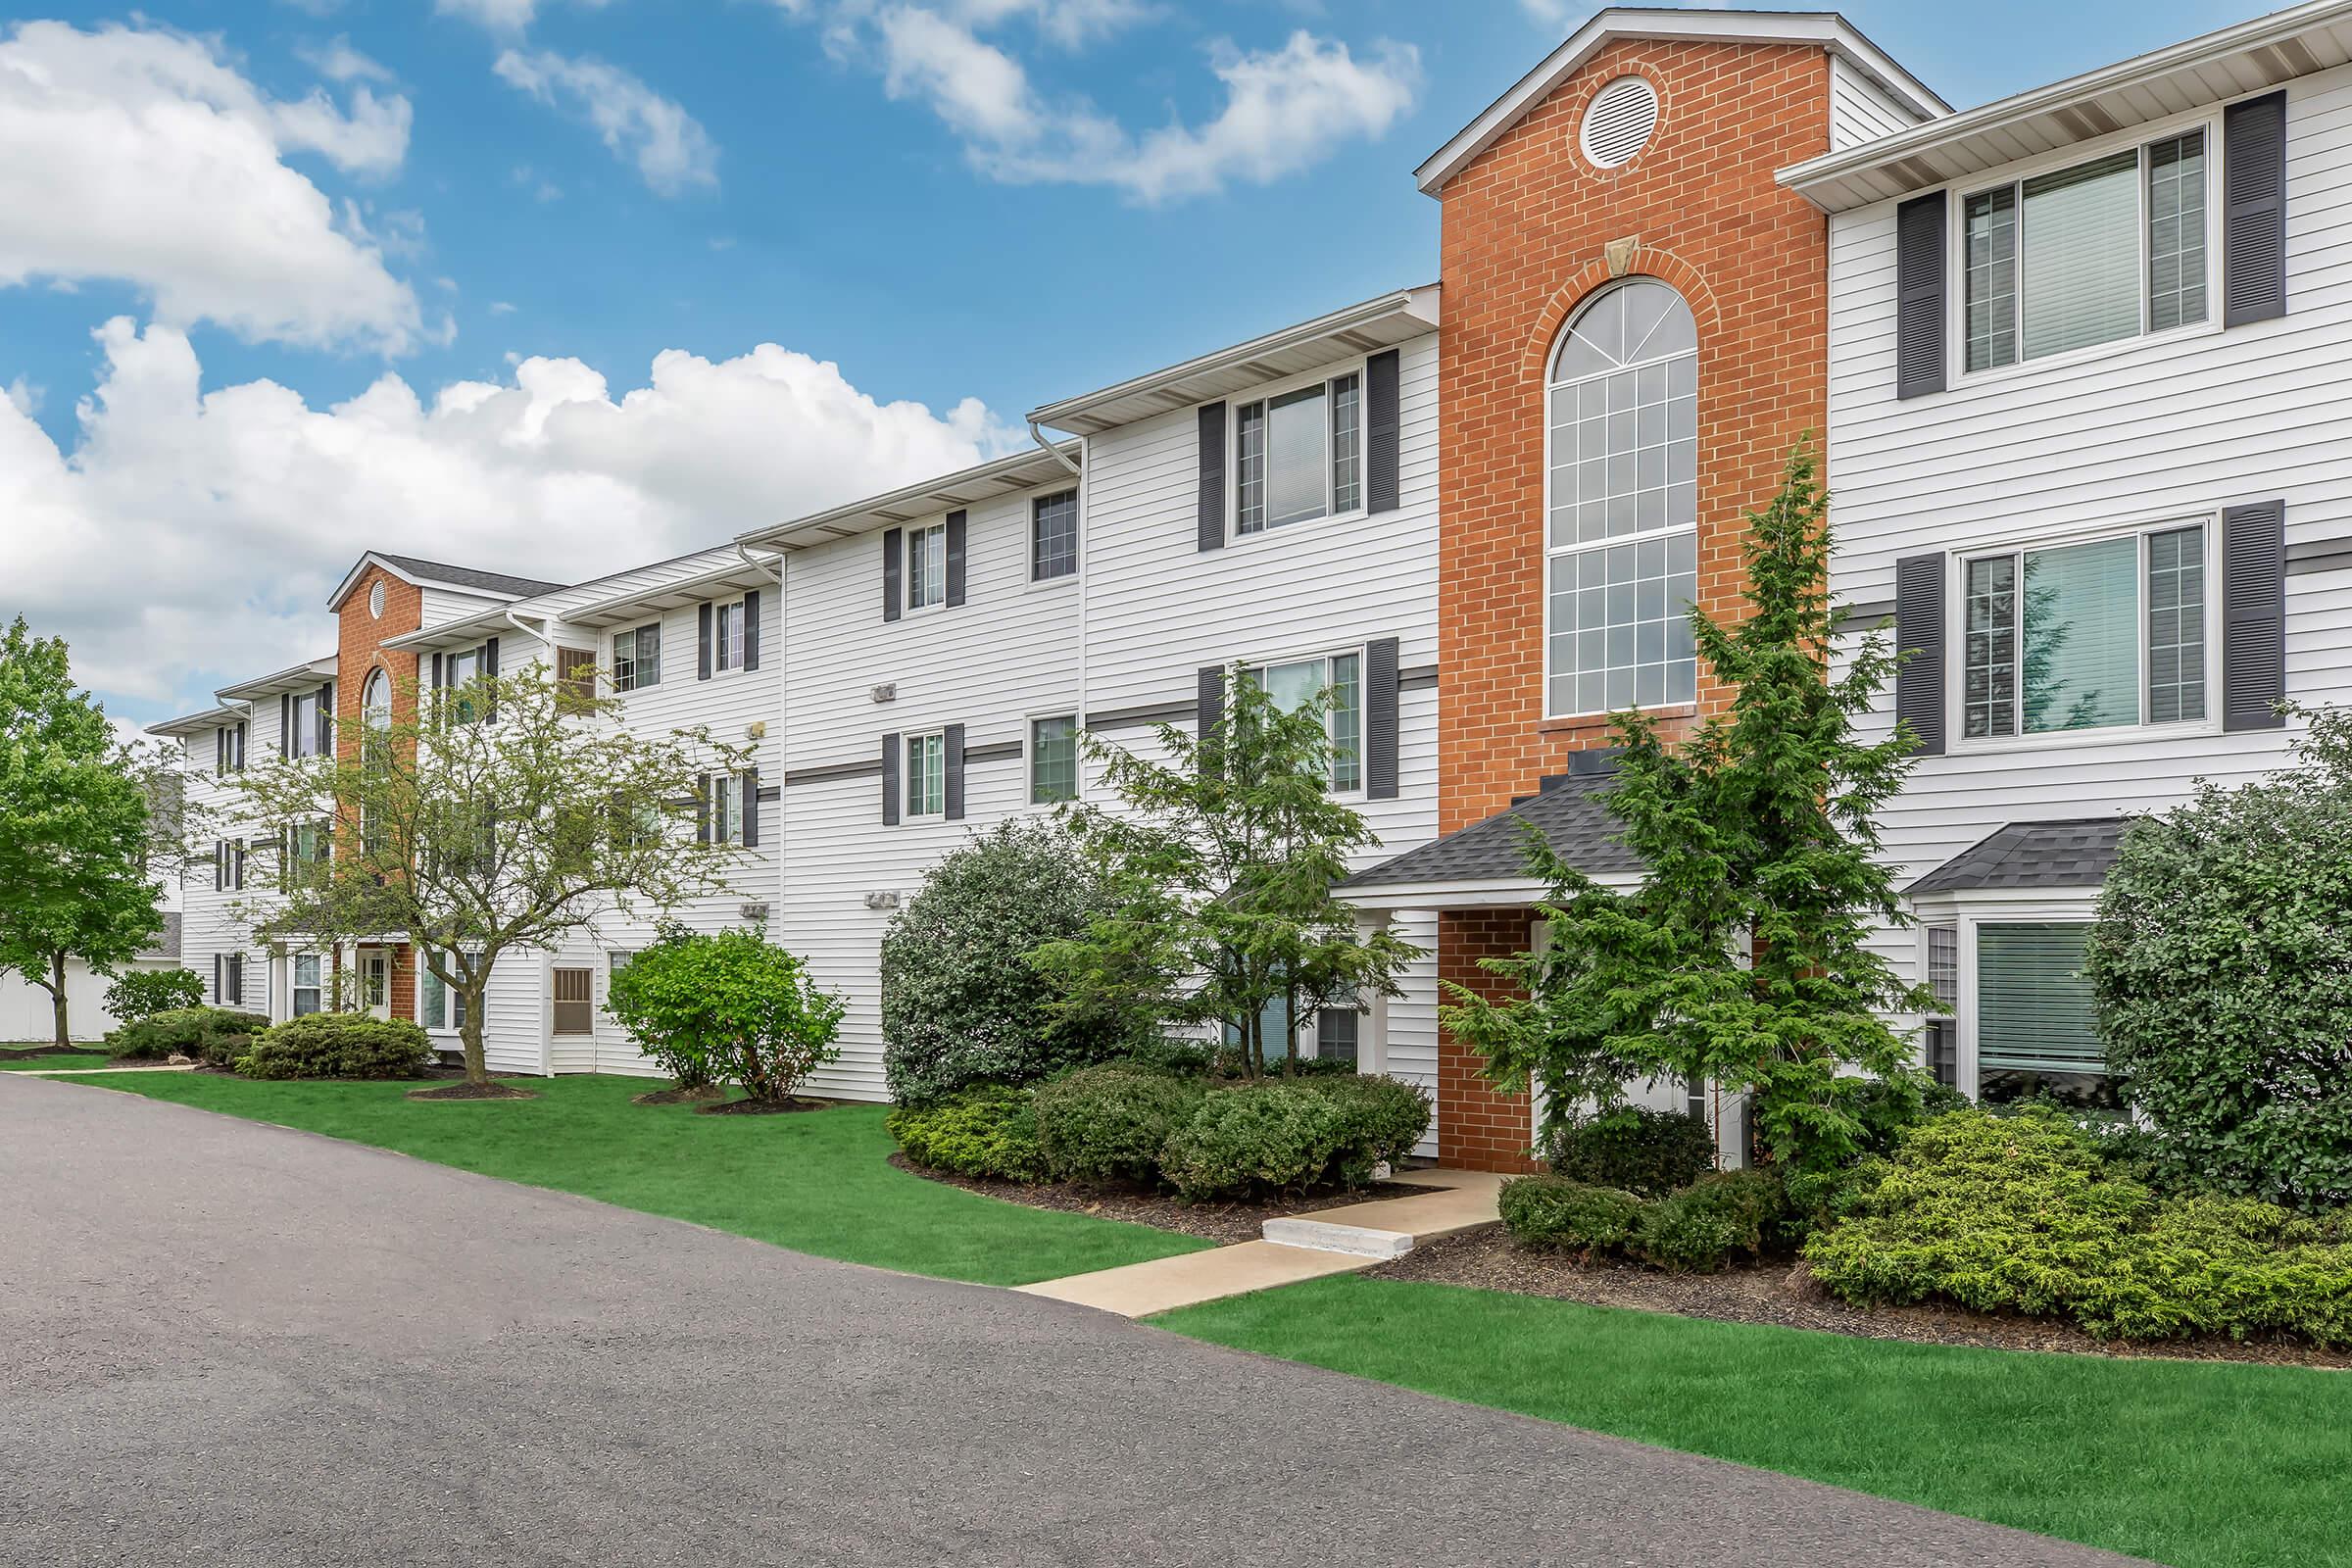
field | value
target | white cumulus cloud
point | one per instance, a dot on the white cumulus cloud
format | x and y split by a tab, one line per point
669	145
187	538
140	154
1284	110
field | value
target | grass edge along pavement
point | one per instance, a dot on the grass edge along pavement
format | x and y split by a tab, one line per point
2195	1463
817	1182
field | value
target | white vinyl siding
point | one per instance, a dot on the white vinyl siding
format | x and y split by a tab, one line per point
1860	110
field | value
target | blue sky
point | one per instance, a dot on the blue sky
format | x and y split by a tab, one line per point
969	206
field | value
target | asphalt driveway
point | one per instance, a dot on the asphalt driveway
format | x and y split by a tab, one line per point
229	1343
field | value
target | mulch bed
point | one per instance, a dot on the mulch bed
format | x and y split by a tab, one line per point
1784	1295
761	1107
680	1096
461	1090
1216	1222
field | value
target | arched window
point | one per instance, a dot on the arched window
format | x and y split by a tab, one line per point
375	702
1621	541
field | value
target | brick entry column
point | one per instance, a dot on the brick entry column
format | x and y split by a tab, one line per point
1477	1128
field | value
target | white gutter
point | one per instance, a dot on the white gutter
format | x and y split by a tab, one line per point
1053	451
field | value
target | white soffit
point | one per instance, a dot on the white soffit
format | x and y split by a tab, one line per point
2248	58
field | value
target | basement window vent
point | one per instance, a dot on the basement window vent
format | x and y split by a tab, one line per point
1618	122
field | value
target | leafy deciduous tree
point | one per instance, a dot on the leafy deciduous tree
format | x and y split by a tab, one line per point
76	876
731	1006
1220	871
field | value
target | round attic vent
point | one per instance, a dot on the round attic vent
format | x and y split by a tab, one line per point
1618	122
376	599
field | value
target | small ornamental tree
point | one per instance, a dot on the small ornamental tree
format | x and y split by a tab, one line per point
481	822
76	876
2222	967
142	992
961	1003
732	1008
1219	873
1744	955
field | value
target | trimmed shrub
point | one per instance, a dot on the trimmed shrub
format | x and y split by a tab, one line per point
338	1045
1648	1152
1722	1216
184	1031
2020	1213
2218	964
1383	1119
731	1008
987	1130
138	994
1554	1214
1110	1123
1171	1057
961	1002
1270	1136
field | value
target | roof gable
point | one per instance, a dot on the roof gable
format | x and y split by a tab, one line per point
440	575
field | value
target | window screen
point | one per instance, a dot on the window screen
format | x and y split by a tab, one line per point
575	1004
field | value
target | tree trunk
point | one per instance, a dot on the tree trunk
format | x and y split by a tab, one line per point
57	1001
477	1067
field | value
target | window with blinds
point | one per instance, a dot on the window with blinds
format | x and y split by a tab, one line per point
575	1001
2037	1027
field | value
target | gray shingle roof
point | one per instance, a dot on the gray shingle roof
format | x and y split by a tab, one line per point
1568	811
2072	853
167	941
497	582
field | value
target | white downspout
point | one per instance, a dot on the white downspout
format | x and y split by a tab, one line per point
777	575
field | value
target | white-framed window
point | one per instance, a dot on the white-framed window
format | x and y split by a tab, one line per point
438	1006
727	636
1294	683
303	741
1622	504
232	979
305	993
1939	1039
727	809
229	750
1052	759
2018	1020
637	657
927	774
927	567
1053	536
2097	633
1300	454
2102	250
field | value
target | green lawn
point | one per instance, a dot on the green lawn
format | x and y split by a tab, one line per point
816	1182
52	1058
2199	1464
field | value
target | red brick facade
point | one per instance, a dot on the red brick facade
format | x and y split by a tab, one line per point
1527	229
360	635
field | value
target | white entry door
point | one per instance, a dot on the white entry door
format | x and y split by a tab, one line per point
376	982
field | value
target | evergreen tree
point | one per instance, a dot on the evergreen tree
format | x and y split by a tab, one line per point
1744	955
75	875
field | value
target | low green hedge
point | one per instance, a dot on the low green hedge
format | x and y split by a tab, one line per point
1110	1123
988	1130
1647	1153
2020	1213
185	1031
338	1045
1559	1214
1271	1137
1723	1216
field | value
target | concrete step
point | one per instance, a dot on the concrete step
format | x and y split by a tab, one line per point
1356	1240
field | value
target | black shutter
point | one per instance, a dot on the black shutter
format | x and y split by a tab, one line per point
2254	211
894	572
216	993
440	671
1382	422
2253	614
890	780
952	745
702	808
240	864
1209	710
1380	719
490	670
701	632
326	719
750	808
1919	260
956	549
220	749
751	628
1919	644
285	724
1211	535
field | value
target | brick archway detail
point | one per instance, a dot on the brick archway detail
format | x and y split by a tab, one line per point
1649	260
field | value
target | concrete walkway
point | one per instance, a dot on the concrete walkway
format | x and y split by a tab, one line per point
224	1345
1305	1246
